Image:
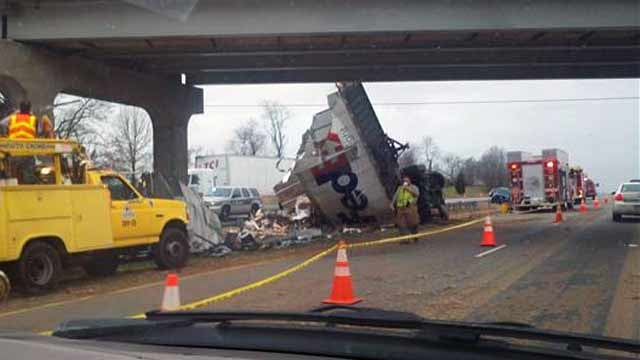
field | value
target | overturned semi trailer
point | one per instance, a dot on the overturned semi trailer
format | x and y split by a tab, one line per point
346	165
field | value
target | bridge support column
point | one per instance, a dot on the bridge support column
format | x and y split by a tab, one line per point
170	154
39	75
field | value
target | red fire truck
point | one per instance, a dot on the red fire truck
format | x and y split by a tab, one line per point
539	181
581	186
590	188
576	180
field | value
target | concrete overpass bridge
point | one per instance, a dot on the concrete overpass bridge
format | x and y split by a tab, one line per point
136	51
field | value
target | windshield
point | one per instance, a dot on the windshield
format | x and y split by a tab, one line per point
631	188
220	192
475	158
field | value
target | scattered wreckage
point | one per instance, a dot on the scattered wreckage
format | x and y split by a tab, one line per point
344	177
260	231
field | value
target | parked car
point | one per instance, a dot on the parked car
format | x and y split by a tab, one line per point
626	200
233	200
500	195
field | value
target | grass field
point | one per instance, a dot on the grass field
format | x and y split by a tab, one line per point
472	191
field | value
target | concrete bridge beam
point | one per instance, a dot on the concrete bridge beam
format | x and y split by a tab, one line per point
27	72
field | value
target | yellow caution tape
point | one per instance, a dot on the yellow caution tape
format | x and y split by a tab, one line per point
413	236
257	284
302	265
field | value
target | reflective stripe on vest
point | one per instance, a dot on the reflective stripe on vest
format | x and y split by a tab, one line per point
22	126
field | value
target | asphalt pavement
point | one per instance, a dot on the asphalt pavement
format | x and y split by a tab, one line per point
581	275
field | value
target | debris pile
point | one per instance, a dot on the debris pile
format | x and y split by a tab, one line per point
204	228
264	231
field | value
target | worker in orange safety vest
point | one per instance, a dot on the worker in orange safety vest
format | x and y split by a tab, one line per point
22	124
44	127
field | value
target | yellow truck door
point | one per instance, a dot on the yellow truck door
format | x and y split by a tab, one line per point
131	214
91	218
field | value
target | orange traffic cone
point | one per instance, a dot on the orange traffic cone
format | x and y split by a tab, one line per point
342	291
596	203
559	218
583	206
171	297
487	236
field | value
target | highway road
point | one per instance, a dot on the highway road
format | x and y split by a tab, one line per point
582	275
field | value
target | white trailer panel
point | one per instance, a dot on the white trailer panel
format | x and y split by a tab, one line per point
338	171
257	172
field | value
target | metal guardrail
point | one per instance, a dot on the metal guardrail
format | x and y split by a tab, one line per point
463	205
469	208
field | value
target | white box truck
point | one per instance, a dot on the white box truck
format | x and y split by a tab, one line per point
260	172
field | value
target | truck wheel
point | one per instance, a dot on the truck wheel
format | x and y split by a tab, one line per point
225	212
39	267
444	212
102	264
172	251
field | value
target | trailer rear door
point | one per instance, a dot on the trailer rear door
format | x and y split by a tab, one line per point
532	181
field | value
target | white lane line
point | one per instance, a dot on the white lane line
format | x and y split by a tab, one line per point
490	251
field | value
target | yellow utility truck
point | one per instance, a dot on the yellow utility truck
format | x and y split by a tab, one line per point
57	211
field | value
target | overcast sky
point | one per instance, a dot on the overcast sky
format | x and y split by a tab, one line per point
602	136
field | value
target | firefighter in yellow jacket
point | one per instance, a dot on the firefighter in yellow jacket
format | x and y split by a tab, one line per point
404	203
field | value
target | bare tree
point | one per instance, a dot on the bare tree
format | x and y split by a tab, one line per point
429	150
275	116
460	183
194	152
470	170
408	158
492	168
80	119
452	164
129	148
247	139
